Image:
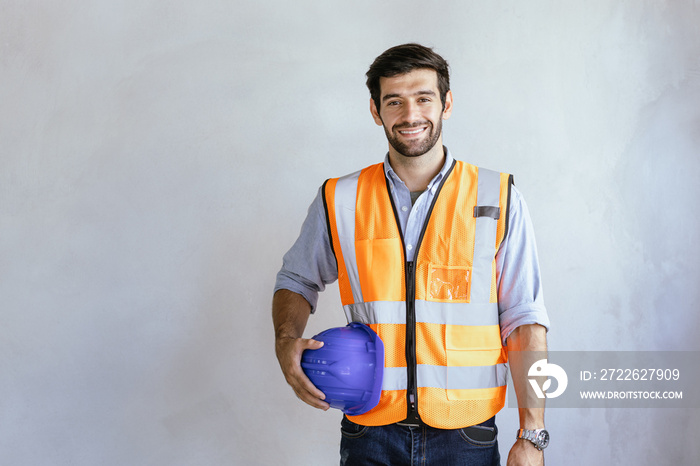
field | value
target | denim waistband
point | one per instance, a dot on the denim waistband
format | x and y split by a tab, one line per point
487	423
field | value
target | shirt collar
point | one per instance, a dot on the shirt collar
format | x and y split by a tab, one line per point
394	178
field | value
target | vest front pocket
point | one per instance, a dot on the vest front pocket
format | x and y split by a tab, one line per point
472	338
474	354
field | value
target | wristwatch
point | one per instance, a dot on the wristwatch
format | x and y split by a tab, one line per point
540	437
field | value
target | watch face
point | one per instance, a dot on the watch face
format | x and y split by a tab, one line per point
543	438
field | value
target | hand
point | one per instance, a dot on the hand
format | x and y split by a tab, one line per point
524	453
289	352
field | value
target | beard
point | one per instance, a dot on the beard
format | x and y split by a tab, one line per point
418	147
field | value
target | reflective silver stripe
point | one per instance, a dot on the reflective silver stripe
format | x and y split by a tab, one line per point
457	313
452	378
345	201
395	378
377	312
394	312
456	378
488	194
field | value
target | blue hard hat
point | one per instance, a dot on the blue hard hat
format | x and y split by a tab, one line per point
348	368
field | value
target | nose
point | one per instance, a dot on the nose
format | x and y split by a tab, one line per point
411	112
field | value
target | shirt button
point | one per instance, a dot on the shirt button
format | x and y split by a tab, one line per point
409	247
404	208
433	189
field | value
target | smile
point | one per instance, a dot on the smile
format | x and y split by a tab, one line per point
412	131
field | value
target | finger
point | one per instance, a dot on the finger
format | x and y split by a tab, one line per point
290	354
311	344
307	385
308	393
311	400
302	384
306	390
304	381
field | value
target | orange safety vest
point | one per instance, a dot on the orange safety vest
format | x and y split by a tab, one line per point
437	316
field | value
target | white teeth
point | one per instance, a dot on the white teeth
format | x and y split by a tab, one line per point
415	131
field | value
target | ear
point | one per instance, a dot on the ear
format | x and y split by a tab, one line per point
375	112
448	106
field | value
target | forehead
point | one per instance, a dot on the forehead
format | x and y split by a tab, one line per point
421	79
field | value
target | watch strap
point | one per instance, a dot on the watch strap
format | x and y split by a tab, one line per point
533	437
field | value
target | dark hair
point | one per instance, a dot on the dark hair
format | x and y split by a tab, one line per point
403	59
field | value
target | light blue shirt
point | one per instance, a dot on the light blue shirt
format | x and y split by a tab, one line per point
310	264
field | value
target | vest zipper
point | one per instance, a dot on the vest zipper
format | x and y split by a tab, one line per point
410	278
411	364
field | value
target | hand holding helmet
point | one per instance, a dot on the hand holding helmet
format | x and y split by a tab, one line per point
349	367
289	351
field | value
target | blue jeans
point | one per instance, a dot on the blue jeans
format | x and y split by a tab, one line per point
423	445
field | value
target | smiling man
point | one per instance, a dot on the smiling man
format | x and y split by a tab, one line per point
412	112
438	257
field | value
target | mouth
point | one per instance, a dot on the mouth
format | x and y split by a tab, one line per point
412	131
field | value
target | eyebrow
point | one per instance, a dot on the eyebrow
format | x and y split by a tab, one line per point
423	92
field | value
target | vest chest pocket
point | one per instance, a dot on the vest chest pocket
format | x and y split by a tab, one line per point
448	283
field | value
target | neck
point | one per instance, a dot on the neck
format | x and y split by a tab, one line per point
416	172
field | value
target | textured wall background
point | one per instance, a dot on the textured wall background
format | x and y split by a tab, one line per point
157	160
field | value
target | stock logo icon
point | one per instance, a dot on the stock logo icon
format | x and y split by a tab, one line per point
542	368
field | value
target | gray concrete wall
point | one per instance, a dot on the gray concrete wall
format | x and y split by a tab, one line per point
157	160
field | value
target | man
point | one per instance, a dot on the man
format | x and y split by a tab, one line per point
411	242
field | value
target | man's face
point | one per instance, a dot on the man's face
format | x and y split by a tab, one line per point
411	111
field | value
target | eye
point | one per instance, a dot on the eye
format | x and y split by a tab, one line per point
392	103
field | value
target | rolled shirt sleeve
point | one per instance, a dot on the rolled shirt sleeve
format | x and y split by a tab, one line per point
520	297
310	264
